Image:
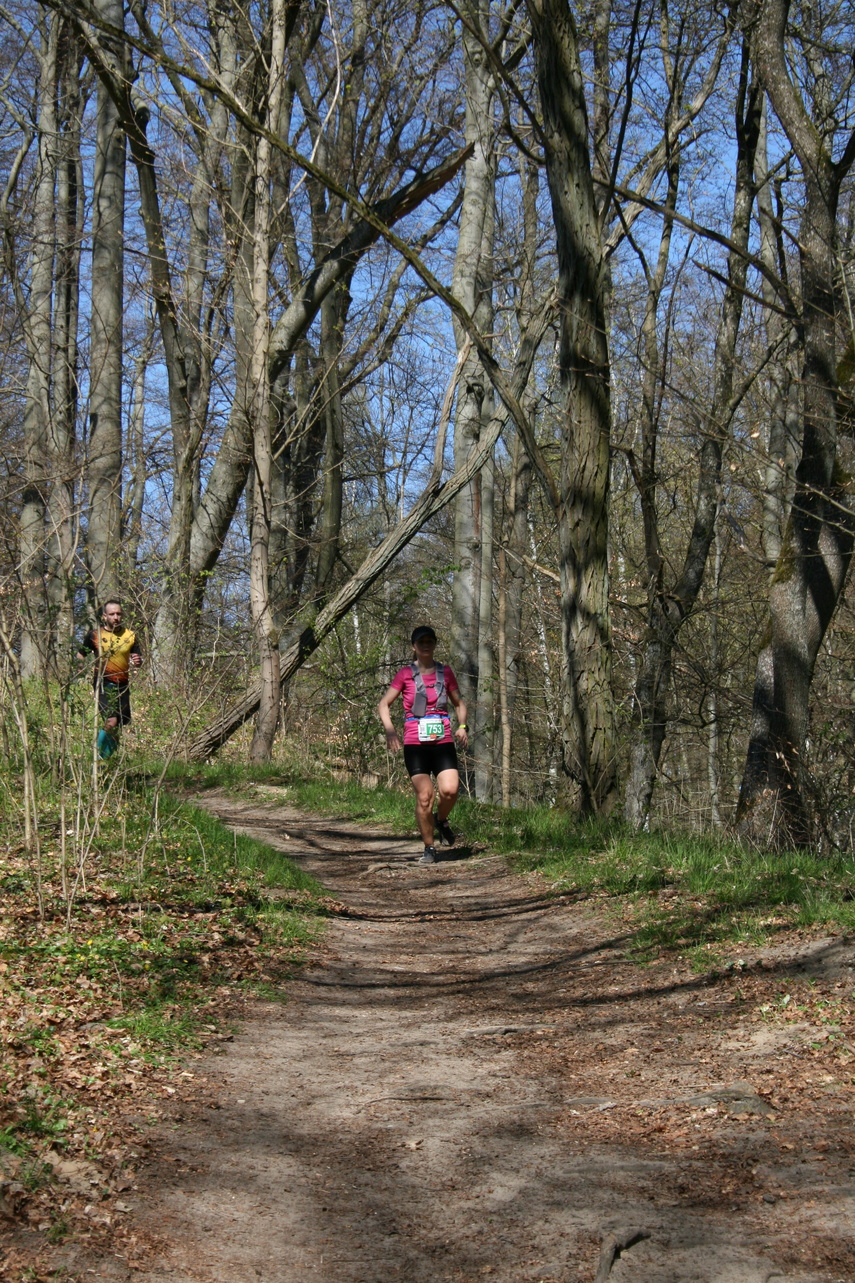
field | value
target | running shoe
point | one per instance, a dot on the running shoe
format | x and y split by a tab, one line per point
445	831
429	856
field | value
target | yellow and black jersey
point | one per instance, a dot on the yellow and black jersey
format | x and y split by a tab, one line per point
113	652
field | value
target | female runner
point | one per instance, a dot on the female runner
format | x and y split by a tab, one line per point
428	742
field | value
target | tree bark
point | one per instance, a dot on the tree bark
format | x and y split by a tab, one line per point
484	729
817	546
62	516
139	472
264	630
333	312
782	442
37	328
472	283
104	453
583	490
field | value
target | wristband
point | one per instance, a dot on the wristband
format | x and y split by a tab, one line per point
461	726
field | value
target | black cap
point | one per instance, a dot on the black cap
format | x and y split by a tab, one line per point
423	633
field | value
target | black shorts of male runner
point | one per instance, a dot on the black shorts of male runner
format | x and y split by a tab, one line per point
114	700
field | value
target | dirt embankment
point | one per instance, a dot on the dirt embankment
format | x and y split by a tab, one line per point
472	1082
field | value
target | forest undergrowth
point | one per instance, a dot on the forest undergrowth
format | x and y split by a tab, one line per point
133	929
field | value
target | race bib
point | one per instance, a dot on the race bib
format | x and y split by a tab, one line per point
430	728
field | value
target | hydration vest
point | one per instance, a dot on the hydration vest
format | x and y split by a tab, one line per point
420	698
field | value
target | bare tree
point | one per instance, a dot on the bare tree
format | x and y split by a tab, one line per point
817	546
669	604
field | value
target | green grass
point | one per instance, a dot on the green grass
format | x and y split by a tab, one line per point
156	1030
170	920
685	892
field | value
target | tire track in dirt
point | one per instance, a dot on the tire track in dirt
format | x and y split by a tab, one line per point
393	1121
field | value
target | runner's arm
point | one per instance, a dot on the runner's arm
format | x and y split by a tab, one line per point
86	647
460	710
393	740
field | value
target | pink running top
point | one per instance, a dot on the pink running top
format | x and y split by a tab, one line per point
403	681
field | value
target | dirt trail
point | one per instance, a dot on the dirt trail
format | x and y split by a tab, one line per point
470	1082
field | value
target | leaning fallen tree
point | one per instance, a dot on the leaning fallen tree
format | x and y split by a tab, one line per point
436	496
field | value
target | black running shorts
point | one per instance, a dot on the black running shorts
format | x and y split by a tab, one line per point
114	700
430	759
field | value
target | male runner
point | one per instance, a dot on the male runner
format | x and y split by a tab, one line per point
116	651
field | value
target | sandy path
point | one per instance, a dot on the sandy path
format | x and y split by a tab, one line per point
384	1124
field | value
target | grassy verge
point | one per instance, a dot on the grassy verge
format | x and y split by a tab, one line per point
695	895
130	934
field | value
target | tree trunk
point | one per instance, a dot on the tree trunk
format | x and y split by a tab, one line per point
512	582
472	283
333	313
515	541
712	698
104	455
583	492
139	472
62	515
817	547
482	748
782	442
37	403
266	638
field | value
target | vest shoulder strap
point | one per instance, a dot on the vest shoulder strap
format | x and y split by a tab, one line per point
420	697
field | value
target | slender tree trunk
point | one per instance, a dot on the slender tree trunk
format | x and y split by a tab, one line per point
551	711
484	710
264	630
104	454
37	403
191	370
512	582
166	637
62	517
139	472
712	699
515	542
504	708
